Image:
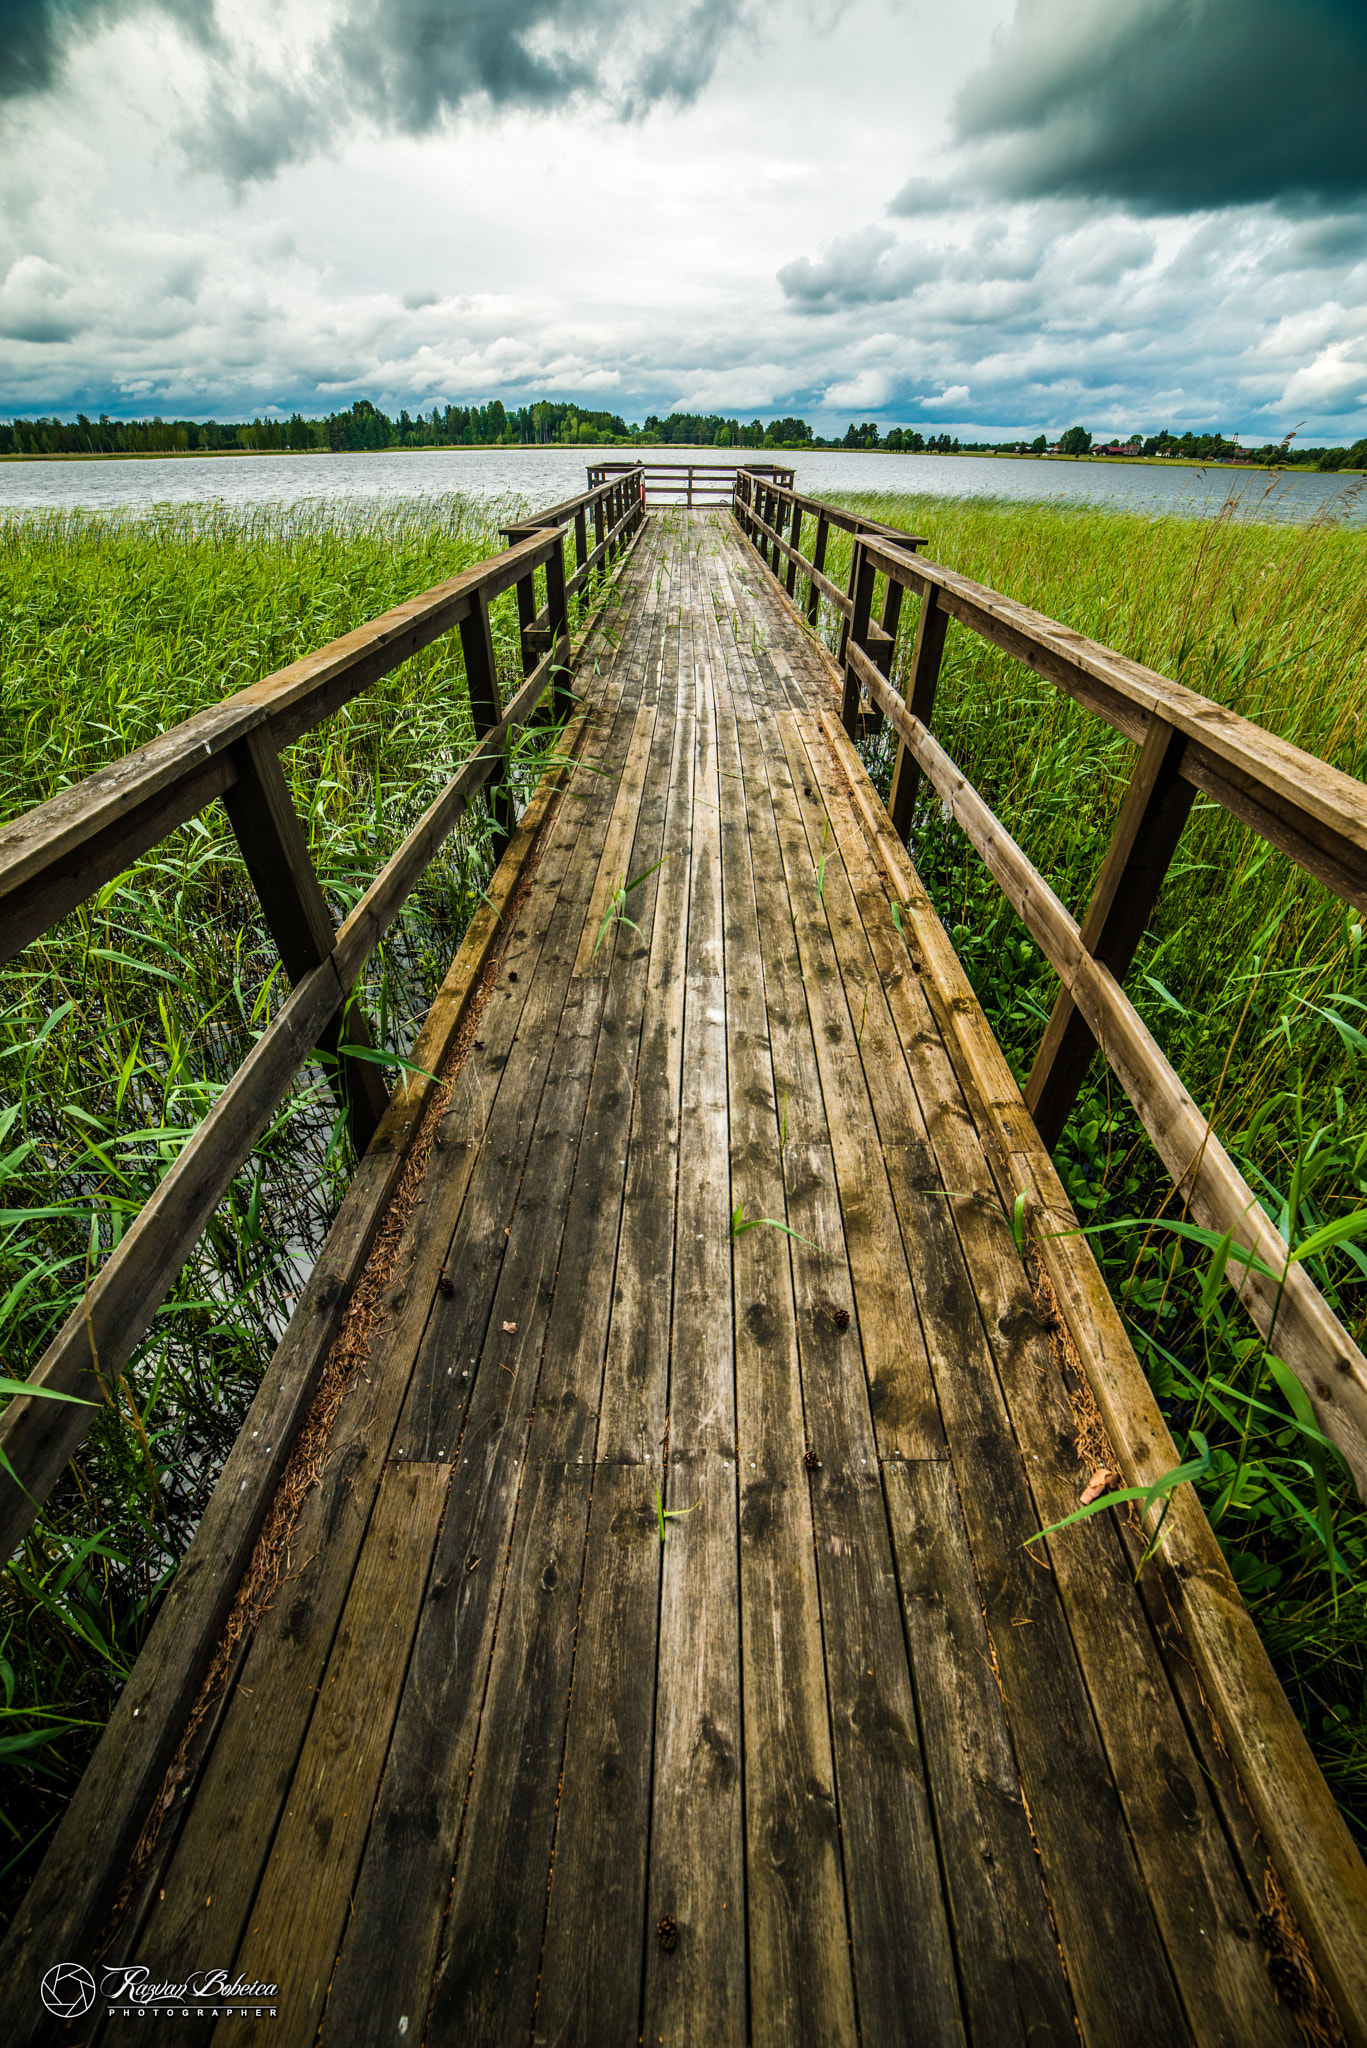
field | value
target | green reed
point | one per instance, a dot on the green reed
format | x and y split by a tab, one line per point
1252	977
119	1027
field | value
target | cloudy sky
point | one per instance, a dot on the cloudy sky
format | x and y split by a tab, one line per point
992	217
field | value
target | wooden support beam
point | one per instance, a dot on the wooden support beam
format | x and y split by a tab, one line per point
881	641
581	549
268	830
481	674
557	605
925	674
794	542
856	631
823	534
1142	846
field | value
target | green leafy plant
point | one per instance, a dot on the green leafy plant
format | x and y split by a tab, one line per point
664	1514
1162	1489
617	908
740	1223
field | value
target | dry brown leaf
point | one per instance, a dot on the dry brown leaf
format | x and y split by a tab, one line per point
1104	1477
510	1326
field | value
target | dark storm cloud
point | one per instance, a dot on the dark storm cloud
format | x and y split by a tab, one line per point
35	34
1171	105
403	64
409	62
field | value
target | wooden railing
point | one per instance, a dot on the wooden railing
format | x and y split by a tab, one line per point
690	484
1313	812
55	856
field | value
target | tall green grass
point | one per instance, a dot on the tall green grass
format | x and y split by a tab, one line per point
1252	976
118	1027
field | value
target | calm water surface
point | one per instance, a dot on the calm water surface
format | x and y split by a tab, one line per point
542	476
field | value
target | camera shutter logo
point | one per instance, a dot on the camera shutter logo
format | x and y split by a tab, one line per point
68	1990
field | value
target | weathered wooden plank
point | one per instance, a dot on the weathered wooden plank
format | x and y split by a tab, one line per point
801	1983
64	1907
387	1962
1316	1859
635	1393
1072	1798
301	1908
589	1987
598	933
1013	1984
892	1873
486	1986
1199	1901
901	1385
249	1772
697	1990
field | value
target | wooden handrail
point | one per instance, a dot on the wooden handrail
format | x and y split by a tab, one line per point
59	853
1300	804
691	483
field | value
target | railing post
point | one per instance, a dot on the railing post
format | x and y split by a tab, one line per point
486	707
855	557
558	619
861	587
882	644
1141	849
526	617
920	694
823	529
262	814
581	541
795	538
690	487
599	527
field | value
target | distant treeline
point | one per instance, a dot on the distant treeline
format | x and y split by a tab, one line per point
1078	441
548	421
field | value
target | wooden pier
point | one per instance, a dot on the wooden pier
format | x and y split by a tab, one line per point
641	1636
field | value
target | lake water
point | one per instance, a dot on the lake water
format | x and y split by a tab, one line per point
544	476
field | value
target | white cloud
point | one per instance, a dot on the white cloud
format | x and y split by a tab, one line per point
824	252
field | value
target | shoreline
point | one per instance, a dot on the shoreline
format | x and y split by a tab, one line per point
653	450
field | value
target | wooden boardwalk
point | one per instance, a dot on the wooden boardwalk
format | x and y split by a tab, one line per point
840	1759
